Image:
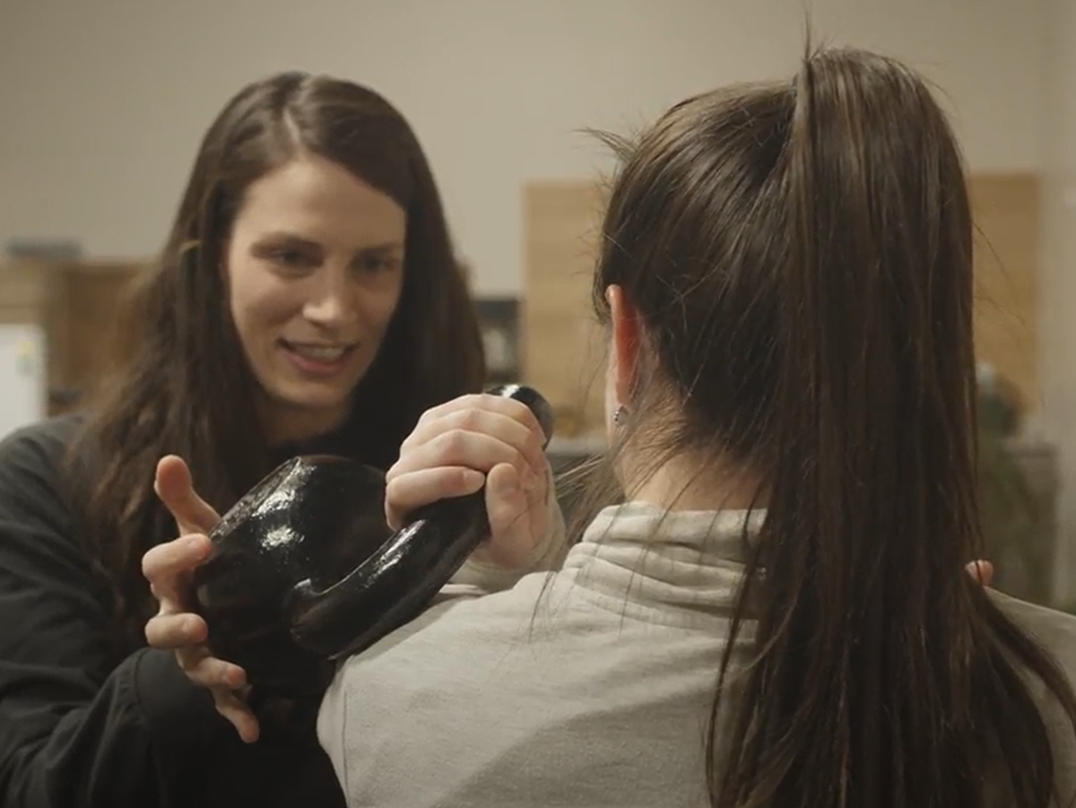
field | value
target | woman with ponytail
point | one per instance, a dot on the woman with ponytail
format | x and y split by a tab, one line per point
775	615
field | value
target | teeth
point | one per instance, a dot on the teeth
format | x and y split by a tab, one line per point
319	353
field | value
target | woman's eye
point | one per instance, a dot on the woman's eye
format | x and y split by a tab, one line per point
291	262
377	263
290	258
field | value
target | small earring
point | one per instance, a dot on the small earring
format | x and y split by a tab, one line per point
620	414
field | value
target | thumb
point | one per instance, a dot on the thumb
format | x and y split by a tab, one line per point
175	489
510	544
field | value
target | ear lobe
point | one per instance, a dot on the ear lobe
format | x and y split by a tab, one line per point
625	338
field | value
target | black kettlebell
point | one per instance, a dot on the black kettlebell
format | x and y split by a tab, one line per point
304	568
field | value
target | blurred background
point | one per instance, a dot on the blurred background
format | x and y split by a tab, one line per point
103	104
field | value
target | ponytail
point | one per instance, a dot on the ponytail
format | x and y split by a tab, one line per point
883	674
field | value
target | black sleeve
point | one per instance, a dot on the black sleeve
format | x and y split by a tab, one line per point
76	728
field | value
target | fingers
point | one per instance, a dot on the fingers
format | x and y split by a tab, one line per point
235	710
451	465
175	488
175	631
508	421
509	407
458	446
227	683
981	571
165	566
463	448
211	673
408	491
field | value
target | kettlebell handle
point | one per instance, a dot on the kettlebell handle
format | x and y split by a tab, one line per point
417	560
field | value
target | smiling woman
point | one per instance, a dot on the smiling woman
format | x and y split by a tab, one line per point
315	269
301	304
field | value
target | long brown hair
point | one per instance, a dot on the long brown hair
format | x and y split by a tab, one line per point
183	385
800	256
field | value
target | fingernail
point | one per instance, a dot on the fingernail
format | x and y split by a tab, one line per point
473	480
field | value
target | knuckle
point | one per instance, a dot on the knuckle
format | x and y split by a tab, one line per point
392	488
520	411
453	444
401	488
470	419
152	562
159	632
517	408
532	444
435	412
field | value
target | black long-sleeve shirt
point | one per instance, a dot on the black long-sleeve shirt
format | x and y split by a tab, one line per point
89	716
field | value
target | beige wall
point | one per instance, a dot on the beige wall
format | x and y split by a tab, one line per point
103	102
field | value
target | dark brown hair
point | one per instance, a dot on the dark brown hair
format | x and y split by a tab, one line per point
800	257
183	384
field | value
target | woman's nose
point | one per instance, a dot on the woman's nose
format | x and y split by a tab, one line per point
331	300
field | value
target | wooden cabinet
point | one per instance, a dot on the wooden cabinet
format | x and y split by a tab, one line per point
563	351
1006	211
77	304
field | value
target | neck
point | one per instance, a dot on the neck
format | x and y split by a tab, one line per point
284	424
687	483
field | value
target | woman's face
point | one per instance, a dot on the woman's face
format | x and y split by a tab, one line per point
315	268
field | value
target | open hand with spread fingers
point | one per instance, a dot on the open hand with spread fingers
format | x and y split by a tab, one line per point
168	567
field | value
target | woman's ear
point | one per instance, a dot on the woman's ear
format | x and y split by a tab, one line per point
624	343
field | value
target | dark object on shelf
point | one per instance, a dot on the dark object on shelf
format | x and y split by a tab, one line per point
999	403
64	398
43	249
305	569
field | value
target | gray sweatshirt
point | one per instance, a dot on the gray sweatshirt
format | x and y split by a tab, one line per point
597	696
